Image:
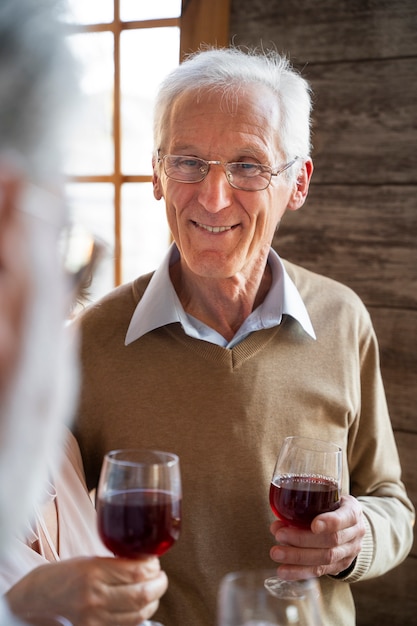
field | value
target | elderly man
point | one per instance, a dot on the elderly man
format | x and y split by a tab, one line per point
226	349
38	368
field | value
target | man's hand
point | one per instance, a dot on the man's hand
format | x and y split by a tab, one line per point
92	591
329	547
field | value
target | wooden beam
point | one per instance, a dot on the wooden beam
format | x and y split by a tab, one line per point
204	22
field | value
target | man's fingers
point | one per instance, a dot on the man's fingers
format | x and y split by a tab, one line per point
348	515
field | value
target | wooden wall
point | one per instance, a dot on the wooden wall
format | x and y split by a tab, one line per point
359	224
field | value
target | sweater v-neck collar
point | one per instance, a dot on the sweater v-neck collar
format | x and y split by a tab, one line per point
230	358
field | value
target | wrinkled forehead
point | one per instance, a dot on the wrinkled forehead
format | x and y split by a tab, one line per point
252	106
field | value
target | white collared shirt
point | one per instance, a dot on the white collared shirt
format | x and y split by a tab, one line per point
160	306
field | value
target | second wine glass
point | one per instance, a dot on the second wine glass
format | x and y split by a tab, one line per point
306	482
139	503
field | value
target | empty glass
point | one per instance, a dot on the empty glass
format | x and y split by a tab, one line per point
243	600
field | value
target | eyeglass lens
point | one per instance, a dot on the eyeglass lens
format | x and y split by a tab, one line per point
242	175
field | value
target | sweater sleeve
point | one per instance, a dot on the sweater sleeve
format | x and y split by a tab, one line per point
375	475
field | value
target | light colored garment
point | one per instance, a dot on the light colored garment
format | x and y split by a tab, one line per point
76	519
6	618
160	306
225	413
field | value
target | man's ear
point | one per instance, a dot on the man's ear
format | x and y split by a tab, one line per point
156	181
300	190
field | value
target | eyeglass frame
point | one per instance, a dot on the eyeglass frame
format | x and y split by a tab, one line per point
78	267
266	169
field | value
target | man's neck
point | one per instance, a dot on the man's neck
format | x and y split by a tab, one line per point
222	304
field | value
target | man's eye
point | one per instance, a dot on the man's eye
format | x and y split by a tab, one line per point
250	169
189	164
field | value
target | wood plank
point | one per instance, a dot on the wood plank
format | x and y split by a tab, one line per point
396	330
204	22
328	30
365	128
397	334
407	447
390	600
362	236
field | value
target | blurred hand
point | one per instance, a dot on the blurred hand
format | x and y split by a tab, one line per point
92	591
329	547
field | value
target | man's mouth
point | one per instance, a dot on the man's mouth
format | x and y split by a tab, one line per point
214	229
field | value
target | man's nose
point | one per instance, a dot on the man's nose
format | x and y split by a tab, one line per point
215	193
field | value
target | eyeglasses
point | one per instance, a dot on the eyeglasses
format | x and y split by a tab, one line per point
79	251
244	175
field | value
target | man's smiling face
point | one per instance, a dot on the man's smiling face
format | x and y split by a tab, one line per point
221	231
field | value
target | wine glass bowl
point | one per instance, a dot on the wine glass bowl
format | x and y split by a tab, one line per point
139	502
139	499
307	480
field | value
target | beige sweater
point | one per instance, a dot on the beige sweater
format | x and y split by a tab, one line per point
226	412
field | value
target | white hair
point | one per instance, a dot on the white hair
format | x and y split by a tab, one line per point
37	80
228	70
42	395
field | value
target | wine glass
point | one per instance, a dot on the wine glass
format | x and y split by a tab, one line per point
139	503
307	481
243	600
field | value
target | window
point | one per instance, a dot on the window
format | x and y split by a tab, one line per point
124	48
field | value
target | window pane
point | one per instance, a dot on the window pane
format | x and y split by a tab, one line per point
91	205
90	11
91	150
145	232
139	83
141	10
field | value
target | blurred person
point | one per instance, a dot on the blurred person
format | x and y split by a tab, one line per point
40	468
226	349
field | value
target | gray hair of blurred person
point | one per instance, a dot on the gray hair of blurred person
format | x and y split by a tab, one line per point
37	76
228	70
37	80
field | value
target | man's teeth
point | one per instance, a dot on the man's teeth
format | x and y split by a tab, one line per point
214	229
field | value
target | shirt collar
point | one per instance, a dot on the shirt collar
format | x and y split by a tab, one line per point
160	304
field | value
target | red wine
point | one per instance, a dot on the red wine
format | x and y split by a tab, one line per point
298	499
139	522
